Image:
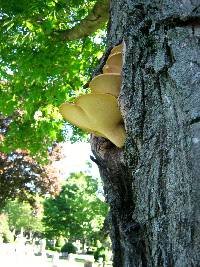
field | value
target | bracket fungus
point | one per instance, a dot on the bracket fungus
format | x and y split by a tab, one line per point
117	49
111	69
97	113
113	63
115	59
108	83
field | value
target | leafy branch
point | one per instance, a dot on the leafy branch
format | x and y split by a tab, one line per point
98	16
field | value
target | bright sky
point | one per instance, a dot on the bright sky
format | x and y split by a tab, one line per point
75	157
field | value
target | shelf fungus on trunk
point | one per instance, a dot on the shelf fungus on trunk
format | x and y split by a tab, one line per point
98	114
113	64
108	83
117	49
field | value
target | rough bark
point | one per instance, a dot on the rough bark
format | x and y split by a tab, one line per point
152	185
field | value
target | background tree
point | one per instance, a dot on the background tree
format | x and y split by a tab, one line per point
77	212
23	216
5	233
22	177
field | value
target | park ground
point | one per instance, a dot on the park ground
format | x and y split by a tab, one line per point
9	257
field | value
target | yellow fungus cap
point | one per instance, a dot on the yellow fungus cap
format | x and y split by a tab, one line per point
115	59
98	114
117	49
113	64
111	69
108	83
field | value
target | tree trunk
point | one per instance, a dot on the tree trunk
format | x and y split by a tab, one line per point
152	185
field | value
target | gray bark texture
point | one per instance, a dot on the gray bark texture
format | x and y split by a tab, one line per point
153	184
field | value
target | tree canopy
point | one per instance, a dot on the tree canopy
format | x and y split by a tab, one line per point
22	177
22	215
46	58
77	212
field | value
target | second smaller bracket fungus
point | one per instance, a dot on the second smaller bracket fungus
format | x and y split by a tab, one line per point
117	49
113	64
115	60
108	83
98	114
111	69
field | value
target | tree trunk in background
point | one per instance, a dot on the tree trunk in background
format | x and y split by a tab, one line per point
153	184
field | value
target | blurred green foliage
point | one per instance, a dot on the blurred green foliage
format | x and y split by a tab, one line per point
22	215
38	72
77	212
69	248
60	242
5	232
100	253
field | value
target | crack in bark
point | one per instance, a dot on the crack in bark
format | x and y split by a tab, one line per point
173	22
196	120
169	53
143	115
